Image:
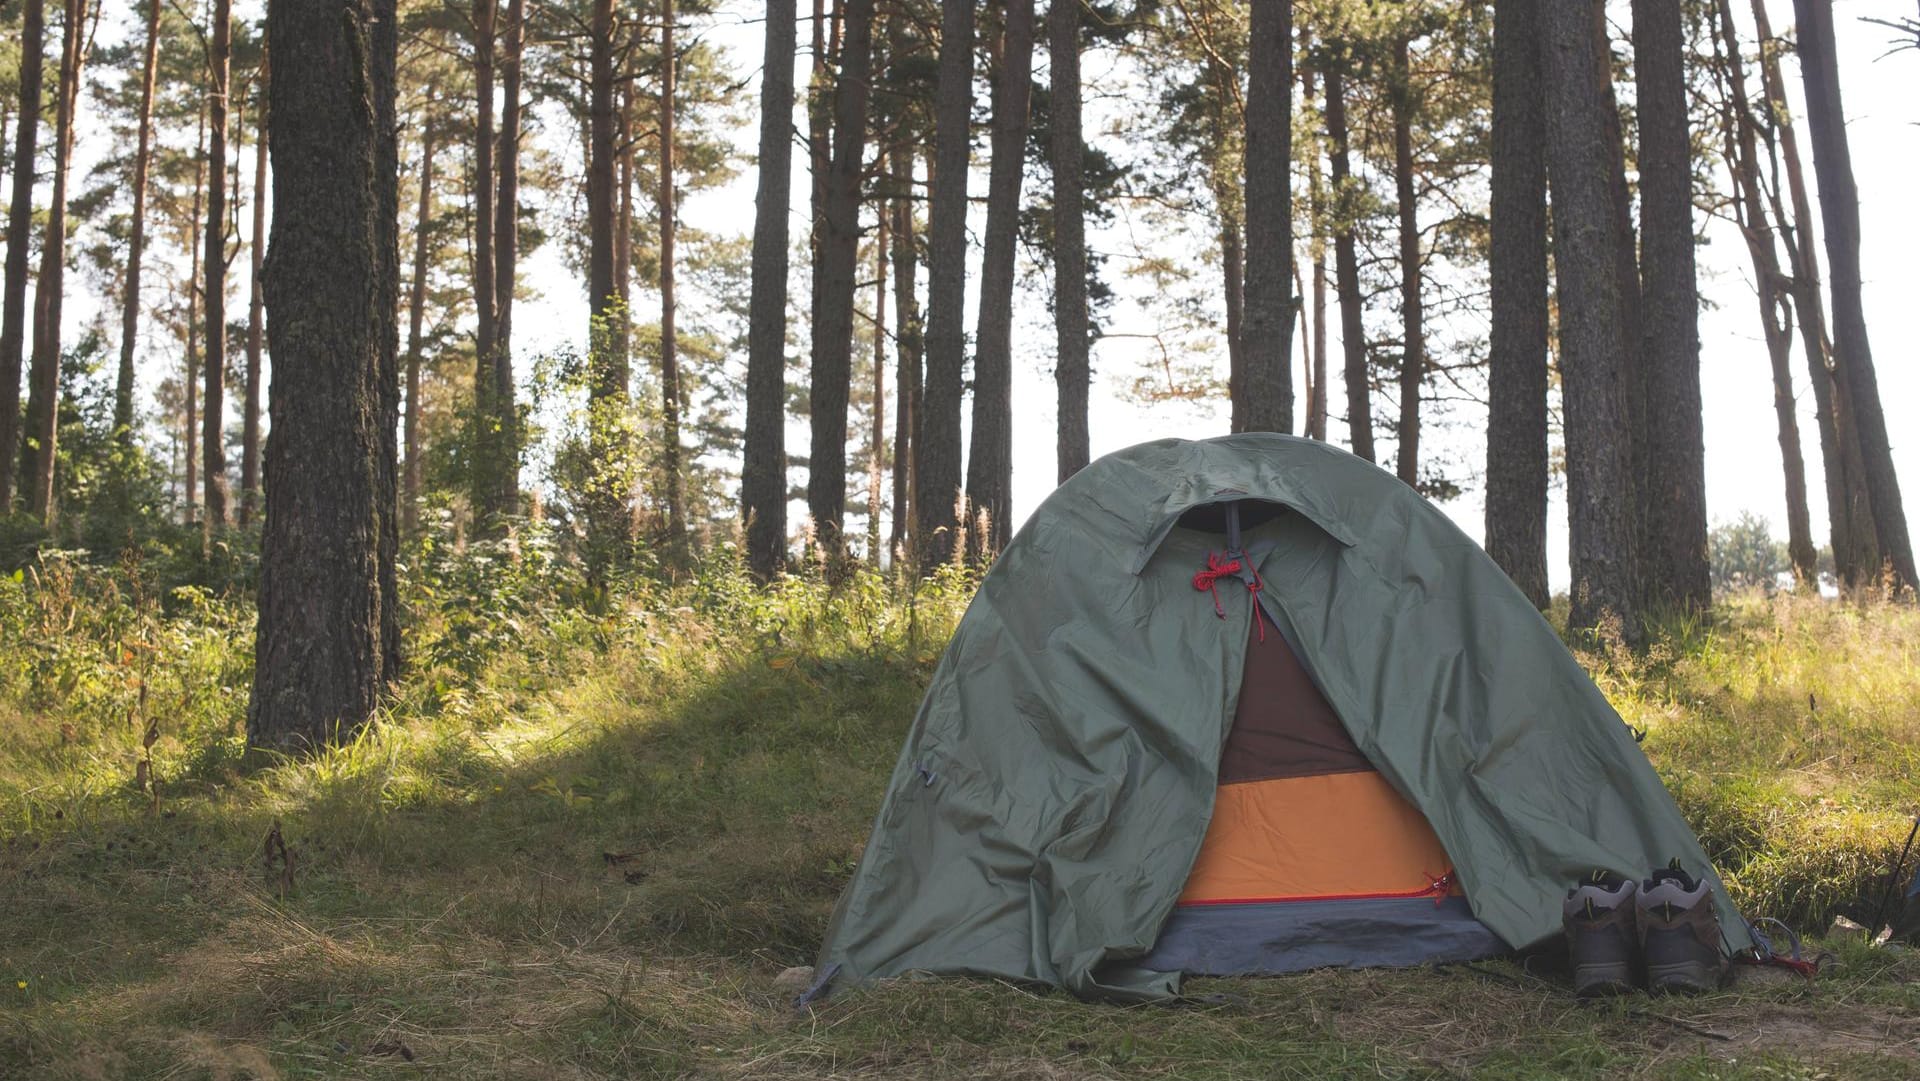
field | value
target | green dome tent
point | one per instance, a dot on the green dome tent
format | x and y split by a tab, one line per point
1080	799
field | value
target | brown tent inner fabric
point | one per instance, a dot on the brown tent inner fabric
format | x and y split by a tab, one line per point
1282	727
1301	813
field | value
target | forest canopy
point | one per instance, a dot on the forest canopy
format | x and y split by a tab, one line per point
1464	241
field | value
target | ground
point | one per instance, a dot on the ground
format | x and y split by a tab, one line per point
587	840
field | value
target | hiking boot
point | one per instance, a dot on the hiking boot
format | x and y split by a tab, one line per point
1601	942
1679	933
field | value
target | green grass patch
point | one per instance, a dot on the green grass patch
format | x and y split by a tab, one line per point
593	829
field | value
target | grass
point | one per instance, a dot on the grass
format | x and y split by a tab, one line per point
590	836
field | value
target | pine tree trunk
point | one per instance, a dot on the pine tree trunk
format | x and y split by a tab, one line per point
1346	266
1413	344
384	85
1233	278
1594	345
1317	400
819	138
990	449
1306	342
763	471
906	272
937	446
609	519
1849	513
1627	276
1740	150
416	322
877	440
623	221
1675	542
820	84
1852	353
837	261
191	385
13	324
43	381
137	237
1072	370
1266	345
1516	510
256	318
1316	425
489	441
670	451
213	440
506	253
322	652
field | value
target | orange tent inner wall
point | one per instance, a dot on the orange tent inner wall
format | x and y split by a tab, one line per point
1337	835
1300	813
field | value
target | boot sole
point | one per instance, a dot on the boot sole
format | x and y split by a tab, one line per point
1683	978
1603	980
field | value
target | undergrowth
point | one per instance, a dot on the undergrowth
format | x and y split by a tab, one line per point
592	824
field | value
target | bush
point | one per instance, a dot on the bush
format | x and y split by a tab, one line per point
1742	554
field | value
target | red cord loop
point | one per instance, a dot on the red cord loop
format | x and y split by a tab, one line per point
1218	567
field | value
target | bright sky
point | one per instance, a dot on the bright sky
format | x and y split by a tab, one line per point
1743	457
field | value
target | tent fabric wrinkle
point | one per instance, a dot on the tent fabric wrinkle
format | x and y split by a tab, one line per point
1075	728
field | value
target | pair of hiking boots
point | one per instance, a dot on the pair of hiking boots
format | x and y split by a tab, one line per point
1660	933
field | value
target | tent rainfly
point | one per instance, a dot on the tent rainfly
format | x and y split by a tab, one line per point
1244	705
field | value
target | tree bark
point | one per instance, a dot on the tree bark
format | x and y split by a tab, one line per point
819	138
906	428
1413	344
610	521
1316	425
937	450
670	452
1856	554
1516	511
1346	266
384	85
763	472
416	322
489	440
1627	276
13	323
623	220
1233	279
506	253
321	657
1675	541
1266	345
990	450
137	238
213	442
1739	146
256	319
1303	316
1066	147
877	440
1852	353
191	385
43	381
837	259
1594	345
825	47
